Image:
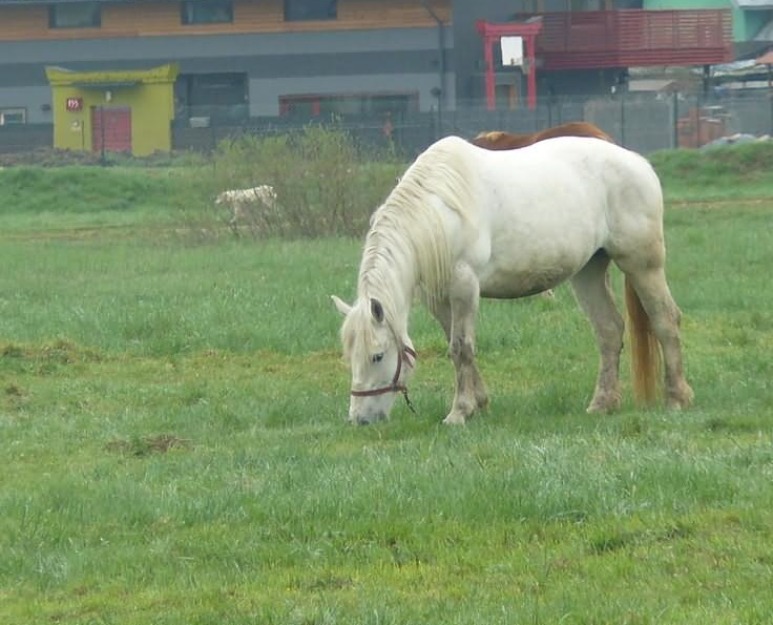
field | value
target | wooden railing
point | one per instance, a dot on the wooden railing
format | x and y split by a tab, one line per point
632	37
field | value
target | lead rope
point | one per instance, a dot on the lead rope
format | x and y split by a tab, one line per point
411	352
408	401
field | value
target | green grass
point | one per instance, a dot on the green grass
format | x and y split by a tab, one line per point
730	173
175	452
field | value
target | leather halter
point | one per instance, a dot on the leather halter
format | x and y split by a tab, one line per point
395	386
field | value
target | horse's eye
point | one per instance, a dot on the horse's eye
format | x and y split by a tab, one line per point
377	358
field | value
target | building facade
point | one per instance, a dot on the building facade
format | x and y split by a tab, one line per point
237	58
239	61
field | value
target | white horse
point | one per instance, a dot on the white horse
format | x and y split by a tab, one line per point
241	202
465	222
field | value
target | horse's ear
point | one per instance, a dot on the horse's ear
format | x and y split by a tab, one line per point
341	306
377	310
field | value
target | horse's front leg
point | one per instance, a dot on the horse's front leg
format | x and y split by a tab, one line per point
464	297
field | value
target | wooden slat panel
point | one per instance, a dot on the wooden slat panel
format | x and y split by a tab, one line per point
18	22
629	38
250	16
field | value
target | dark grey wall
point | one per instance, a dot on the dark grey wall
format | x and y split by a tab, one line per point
468	46
280	63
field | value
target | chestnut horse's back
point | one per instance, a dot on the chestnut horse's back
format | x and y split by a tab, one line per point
500	140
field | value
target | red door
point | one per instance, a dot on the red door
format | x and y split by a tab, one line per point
111	128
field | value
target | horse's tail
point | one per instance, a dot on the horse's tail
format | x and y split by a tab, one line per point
645	353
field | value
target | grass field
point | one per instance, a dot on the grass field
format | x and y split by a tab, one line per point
172	427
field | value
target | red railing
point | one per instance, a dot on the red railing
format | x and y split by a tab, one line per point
633	38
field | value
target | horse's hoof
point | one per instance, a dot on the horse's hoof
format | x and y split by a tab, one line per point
455	418
603	405
681	400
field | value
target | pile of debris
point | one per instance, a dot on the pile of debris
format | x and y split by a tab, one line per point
736	139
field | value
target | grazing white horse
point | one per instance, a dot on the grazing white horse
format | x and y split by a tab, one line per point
241	202
465	222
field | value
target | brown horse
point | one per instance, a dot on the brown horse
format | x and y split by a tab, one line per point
500	140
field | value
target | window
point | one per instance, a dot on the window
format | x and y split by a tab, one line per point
586	5
74	15
207	12
213	89
222	97
300	10
10	117
355	105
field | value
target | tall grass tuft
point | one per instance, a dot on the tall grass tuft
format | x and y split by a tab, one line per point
325	183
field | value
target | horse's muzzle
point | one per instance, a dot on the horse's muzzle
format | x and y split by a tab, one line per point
367	419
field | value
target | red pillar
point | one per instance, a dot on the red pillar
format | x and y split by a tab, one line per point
491	33
488	56
531	78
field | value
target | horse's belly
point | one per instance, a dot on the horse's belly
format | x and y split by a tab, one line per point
512	284
532	251
520	270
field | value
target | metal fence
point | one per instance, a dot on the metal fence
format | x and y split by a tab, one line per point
25	137
642	122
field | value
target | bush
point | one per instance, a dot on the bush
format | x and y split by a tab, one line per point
325	184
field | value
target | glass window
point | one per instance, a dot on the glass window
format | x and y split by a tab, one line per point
302	107
586	5
348	105
215	89
12	116
300	10
74	15
207	12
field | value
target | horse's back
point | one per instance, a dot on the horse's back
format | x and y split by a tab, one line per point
565	178
500	140
544	210
573	167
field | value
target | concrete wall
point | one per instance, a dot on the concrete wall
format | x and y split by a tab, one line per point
468	46
276	63
35	100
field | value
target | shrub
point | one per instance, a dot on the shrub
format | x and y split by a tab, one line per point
325	183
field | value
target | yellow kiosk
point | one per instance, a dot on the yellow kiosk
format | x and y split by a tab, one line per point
127	111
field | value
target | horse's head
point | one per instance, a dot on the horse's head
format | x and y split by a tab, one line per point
381	362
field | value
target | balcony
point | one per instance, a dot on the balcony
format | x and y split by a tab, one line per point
633	38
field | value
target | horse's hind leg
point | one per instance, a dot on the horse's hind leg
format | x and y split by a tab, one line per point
591	289
462	304
651	287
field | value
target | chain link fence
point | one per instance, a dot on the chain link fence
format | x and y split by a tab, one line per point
644	122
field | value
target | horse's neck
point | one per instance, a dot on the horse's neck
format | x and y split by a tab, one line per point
390	277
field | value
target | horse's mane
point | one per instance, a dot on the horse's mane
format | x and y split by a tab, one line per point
407	231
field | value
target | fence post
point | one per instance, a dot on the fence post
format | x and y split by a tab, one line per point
675	120
770	97
698	106
102	158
